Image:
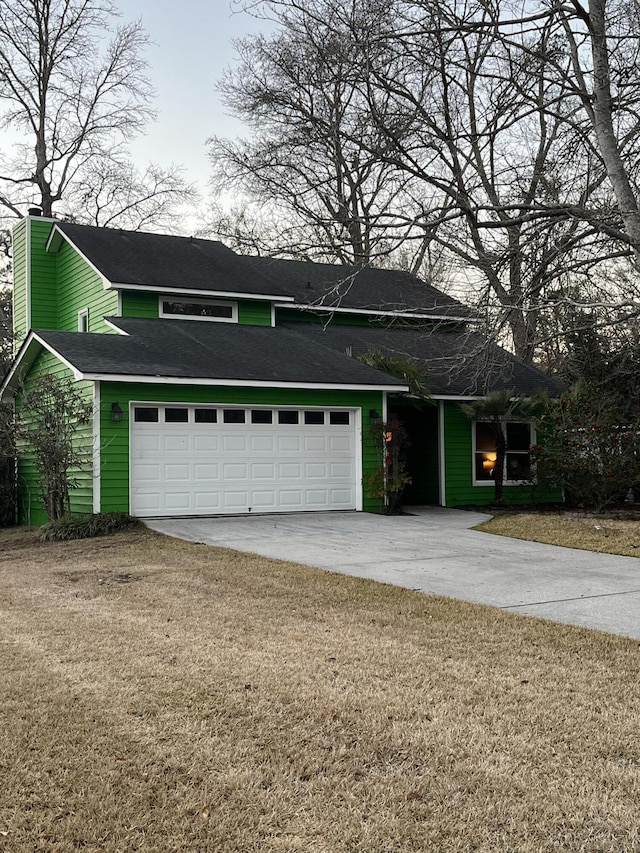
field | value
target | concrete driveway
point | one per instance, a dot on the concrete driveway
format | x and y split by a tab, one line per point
434	551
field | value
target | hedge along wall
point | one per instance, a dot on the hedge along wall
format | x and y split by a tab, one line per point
114	437
30	505
460	490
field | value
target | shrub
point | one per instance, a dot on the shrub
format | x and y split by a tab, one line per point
86	527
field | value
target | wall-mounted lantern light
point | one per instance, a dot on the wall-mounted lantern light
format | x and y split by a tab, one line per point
116	413
374	416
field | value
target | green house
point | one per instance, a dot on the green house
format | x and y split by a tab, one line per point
224	383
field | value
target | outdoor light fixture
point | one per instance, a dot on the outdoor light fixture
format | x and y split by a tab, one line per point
374	416
116	413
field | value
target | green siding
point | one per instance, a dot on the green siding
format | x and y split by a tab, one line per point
460	490
79	287
44	296
30	505
254	313
138	303
114	474
20	322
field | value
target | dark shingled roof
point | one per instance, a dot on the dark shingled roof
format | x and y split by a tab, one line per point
160	260
455	364
463	364
192	350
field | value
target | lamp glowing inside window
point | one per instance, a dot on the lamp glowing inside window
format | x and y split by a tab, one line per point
517	463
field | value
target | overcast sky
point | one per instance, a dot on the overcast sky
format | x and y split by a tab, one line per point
192	47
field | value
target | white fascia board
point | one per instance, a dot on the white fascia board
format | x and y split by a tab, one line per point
115	327
202	293
96	447
457	398
238	383
53	244
76	373
26	357
462	398
412	315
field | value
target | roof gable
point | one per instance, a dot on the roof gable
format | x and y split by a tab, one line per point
140	260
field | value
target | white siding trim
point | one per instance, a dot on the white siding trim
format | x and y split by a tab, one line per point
27	307
376	312
201	292
114	327
96	447
442	468
359	450
233	383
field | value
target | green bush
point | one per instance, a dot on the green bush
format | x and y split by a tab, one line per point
86	527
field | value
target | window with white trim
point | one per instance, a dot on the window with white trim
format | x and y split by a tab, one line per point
517	462
83	320
219	311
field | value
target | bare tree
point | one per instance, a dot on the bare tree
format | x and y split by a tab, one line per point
73	91
313	159
487	115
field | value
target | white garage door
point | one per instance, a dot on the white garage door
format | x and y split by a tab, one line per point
193	460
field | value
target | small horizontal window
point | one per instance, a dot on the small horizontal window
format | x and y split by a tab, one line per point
287	417
204	310
176	416
314	417
206	416
261	416
144	415
339	418
233	416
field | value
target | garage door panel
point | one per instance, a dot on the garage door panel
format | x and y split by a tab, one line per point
234	471
262	443
339	444
177	472
236	500
289	444
263	500
206	471
235	443
251	465
207	501
206	443
148	443
317	497
263	471
315	470
178	501
291	498
289	471
148	473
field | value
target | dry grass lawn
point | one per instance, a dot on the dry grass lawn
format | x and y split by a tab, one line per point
573	530
165	696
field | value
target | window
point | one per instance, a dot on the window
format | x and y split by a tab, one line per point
339	418
517	463
196	309
176	416
287	417
261	416
233	416
144	415
206	416
314	417
83	320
